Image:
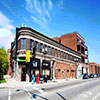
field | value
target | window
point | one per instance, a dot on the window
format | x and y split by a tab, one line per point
48	50
41	46
53	51
31	42
24	44
45	49
36	45
56	52
66	56
59	53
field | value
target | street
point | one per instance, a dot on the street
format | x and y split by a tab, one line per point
87	89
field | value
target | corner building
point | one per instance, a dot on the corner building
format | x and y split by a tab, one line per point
47	57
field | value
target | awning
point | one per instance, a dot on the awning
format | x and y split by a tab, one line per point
21	60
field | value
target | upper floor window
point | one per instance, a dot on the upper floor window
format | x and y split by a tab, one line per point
48	50
23	43
59	53
31	43
41	46
36	45
53	51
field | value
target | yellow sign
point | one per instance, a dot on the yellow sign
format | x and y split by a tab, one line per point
27	56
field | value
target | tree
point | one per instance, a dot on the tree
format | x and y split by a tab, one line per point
3	62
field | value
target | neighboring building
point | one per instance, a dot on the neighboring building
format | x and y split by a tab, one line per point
47	57
94	68
9	69
76	42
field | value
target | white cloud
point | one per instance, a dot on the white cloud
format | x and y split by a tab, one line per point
50	4
6	28
40	11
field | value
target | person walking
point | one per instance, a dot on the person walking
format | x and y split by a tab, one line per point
33	79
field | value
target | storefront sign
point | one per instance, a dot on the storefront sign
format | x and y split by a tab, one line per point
46	64
35	64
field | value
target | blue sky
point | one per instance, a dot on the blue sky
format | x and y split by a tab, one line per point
53	18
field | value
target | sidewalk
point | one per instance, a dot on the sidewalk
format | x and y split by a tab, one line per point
11	83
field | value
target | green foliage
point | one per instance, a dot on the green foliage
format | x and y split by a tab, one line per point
3	81
3	61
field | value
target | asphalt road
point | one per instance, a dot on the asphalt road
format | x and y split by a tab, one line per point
88	89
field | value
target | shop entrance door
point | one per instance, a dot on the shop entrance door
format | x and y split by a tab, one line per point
23	74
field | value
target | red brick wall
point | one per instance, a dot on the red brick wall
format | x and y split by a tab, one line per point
8	67
68	40
73	73
59	70
57	39
95	69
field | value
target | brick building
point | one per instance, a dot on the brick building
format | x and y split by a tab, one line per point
76	42
94	68
9	69
47	57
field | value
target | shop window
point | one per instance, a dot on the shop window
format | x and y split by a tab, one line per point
23	43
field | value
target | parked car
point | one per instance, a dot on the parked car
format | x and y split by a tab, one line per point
91	75
85	76
98	75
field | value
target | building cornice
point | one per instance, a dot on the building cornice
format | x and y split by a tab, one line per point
25	31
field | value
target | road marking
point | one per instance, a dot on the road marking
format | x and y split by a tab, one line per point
9	94
39	90
29	94
96	96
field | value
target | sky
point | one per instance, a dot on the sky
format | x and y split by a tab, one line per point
53	18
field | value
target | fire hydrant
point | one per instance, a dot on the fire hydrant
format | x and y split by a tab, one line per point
37	79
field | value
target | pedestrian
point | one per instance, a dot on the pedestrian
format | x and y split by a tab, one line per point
41	79
33	79
45	79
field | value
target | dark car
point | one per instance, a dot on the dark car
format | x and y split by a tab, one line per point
91	75
85	76
98	75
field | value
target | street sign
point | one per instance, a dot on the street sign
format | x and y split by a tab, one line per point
27	56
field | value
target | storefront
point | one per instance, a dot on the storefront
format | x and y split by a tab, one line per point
46	71
35	66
